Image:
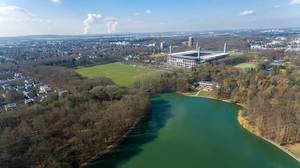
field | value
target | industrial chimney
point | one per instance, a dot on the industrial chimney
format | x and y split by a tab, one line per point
225	47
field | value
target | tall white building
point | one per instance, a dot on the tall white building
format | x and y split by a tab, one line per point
190	42
162	45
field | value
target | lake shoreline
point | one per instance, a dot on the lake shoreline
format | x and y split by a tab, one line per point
113	146
242	122
212	98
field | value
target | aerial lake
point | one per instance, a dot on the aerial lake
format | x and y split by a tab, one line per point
190	132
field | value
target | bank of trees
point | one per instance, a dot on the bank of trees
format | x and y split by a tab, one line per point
65	132
273	100
164	82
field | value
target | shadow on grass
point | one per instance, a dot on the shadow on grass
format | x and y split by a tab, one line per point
146	131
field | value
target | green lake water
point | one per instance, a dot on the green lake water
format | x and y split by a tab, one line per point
190	132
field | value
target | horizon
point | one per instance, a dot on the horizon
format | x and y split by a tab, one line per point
79	17
158	32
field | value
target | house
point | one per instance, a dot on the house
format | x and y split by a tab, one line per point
62	93
6	87
17	75
10	107
29	94
278	63
44	89
206	85
28	101
28	81
252	62
43	98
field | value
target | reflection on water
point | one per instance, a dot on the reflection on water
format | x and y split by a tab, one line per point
146	131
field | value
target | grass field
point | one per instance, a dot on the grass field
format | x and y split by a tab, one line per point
246	66
204	93
121	74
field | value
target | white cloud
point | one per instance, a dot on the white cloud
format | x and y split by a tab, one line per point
112	26
137	14
56	1
90	21
15	14
148	11
247	13
93	19
15	20
295	2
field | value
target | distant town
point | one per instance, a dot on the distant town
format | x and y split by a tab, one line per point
162	50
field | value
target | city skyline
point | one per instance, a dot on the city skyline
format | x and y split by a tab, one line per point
77	17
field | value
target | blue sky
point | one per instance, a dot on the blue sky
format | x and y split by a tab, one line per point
26	17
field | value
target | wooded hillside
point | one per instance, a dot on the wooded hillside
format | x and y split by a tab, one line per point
68	131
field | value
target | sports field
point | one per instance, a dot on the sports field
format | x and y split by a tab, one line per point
121	74
246	66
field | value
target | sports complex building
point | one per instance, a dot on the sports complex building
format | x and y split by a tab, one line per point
193	58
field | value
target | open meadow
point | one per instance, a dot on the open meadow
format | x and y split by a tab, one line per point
121	74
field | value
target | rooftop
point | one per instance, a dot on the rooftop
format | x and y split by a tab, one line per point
204	55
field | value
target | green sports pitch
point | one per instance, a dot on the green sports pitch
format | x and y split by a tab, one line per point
246	66
121	74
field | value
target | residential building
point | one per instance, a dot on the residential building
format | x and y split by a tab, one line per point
10	106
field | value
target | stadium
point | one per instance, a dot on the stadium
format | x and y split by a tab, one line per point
193	58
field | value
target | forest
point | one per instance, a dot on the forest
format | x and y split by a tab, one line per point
68	131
